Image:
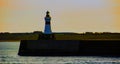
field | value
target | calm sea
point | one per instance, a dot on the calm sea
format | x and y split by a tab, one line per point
9	50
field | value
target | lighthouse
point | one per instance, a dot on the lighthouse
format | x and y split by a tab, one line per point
47	29
47	34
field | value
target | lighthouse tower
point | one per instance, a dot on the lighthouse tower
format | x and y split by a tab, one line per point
47	29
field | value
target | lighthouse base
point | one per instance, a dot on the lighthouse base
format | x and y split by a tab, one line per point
46	37
69	48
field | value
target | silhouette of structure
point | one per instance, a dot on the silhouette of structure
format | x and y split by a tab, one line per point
47	29
48	46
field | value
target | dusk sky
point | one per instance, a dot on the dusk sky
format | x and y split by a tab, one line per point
67	15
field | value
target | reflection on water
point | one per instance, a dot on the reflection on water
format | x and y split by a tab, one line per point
9	50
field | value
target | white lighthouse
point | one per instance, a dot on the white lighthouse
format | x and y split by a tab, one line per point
47	29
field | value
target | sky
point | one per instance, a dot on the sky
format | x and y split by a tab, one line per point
67	15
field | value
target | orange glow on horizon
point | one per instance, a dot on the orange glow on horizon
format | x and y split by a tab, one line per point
3	6
116	9
3	3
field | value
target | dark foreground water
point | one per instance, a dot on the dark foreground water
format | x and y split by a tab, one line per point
9	50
